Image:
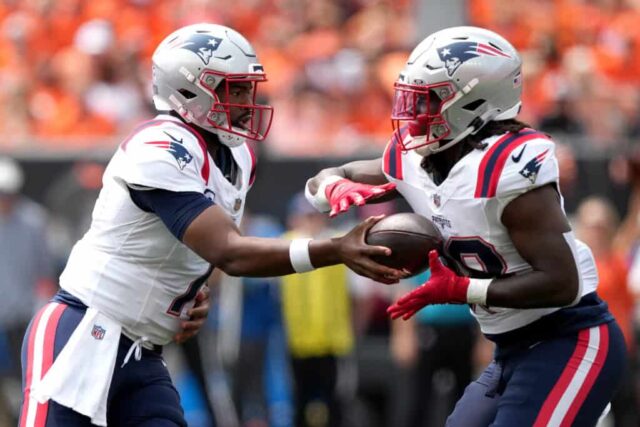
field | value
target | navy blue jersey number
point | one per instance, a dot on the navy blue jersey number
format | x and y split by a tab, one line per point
181	300
478	256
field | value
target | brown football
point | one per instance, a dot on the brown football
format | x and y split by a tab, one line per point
410	237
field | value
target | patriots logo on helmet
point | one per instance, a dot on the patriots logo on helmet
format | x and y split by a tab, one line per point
531	169
177	150
455	54
202	45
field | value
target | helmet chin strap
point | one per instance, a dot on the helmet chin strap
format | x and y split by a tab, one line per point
227	138
230	139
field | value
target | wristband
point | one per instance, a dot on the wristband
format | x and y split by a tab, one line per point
299	255
319	200
477	291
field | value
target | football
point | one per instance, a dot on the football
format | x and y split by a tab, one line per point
410	237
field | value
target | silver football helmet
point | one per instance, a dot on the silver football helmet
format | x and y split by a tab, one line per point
189	67
455	81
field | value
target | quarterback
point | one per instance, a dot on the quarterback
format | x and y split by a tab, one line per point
459	156
172	199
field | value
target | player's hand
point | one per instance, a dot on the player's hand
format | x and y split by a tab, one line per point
443	287
345	193
356	254
197	316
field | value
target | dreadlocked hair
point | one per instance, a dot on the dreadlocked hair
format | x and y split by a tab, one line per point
474	142
494	128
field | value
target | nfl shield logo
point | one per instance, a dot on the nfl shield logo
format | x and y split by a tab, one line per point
98	332
436	200
237	205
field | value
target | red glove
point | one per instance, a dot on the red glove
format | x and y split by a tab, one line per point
345	193
443	287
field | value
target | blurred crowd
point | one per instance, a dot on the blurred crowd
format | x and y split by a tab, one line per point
76	74
581	63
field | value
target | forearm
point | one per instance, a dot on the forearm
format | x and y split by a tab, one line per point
536	289
314	183
216	238
364	171
260	257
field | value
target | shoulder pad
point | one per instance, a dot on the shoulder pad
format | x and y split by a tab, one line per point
166	154
516	163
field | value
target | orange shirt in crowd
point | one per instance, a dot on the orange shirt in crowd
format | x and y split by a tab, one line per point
613	288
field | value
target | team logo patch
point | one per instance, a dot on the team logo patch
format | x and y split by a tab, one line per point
531	169
98	332
441	221
202	45
455	54
177	150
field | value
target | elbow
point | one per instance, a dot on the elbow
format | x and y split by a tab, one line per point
567	291
230	259
566	299
228	263
231	269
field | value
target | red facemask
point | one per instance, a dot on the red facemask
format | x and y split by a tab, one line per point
253	121
418	109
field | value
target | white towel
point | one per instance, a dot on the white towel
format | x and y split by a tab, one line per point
81	375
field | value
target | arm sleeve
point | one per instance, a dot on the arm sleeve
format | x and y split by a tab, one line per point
176	209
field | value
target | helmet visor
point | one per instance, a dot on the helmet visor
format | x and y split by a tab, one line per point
419	109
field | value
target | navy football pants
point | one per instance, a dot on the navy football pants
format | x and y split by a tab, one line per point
566	381
141	392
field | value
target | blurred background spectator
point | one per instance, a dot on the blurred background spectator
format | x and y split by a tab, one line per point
596	224
255	382
433	356
318	325
26	281
69	199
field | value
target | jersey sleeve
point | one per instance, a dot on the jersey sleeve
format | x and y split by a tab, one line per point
165	157
532	165
176	210
392	159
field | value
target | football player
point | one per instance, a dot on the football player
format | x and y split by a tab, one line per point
172	198
460	157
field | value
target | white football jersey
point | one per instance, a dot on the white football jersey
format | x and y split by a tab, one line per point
467	209
129	265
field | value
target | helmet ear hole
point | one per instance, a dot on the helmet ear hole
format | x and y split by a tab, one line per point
472	106
186	93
